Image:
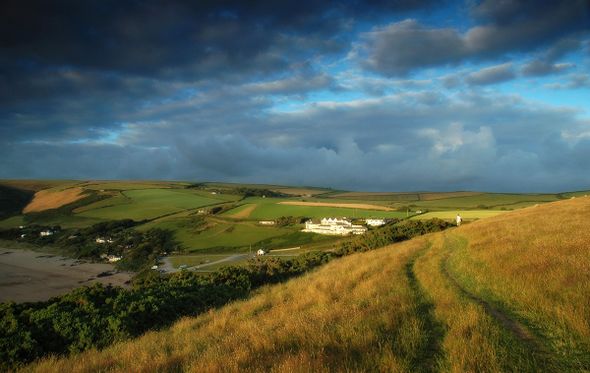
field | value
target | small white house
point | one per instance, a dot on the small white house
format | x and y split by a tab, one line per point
375	222
260	252
46	233
102	240
266	222
114	258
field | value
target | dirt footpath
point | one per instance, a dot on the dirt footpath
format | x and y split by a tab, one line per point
27	276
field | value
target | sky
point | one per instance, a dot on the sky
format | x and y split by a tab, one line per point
402	95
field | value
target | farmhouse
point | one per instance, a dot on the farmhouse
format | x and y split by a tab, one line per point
266	222
334	226
260	252
114	258
375	222
111	258
102	240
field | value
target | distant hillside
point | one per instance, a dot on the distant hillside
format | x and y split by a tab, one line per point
508	293
13	200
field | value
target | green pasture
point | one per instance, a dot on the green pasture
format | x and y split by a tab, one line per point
307	241
275	210
149	204
12	222
196	233
117	199
465	214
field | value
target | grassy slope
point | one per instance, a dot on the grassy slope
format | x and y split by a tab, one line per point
150	203
269	208
465	214
508	293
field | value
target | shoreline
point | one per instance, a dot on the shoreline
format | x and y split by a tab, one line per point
31	276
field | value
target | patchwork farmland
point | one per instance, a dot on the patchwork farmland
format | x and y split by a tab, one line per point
222	218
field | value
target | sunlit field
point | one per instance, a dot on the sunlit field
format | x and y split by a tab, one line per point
507	293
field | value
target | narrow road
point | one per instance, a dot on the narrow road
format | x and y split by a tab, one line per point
232	258
169	268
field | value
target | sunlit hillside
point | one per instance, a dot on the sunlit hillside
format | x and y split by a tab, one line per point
507	293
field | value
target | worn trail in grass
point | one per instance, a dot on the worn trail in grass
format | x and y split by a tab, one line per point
525	336
431	351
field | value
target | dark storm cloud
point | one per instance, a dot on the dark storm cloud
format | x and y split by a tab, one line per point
177	38
574	81
407	141
79	69
542	68
503	27
491	75
546	64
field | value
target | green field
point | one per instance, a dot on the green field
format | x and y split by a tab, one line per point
12	222
269	208
197	234
149	204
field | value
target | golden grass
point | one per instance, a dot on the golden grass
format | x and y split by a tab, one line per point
50	199
473	340
360	206
536	263
356	314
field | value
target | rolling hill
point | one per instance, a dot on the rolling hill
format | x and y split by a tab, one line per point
506	293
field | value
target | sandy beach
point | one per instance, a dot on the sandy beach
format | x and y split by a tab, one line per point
27	276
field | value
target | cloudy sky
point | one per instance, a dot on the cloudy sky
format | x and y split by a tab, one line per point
363	95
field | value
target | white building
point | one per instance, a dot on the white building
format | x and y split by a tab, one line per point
266	222
114	258
104	240
46	233
260	252
375	222
334	226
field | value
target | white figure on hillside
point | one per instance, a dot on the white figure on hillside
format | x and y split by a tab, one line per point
458	219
